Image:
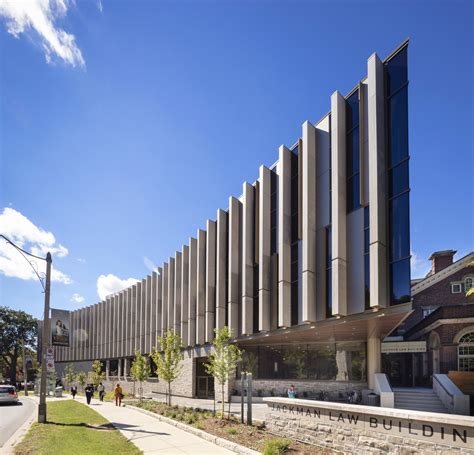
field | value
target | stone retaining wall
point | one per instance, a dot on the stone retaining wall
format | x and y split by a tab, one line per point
363	429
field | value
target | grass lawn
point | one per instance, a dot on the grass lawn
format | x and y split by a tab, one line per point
74	428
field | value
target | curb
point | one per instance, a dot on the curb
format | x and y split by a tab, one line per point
17	437
233	446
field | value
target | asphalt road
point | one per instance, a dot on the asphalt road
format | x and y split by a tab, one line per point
12	417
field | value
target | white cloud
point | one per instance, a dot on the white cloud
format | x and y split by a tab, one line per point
39	16
81	260
21	231
150	265
77	298
100	7
419	267
110	284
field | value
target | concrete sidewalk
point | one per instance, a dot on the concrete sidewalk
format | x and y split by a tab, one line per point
151	435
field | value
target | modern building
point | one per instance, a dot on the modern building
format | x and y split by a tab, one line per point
309	267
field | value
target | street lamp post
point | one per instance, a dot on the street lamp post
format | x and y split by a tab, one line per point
45	342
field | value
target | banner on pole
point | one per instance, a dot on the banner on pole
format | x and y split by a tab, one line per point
60	325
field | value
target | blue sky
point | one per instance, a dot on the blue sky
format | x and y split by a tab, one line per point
123	157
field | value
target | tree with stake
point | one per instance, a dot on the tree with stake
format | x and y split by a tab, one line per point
82	379
97	375
168	360
70	374
140	371
223	361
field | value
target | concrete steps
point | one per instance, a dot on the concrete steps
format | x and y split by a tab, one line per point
415	400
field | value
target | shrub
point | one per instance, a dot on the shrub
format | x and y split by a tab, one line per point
232	430
276	446
199	426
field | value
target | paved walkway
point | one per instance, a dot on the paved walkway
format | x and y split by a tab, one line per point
152	436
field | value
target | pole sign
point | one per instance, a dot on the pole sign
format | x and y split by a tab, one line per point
403	346
50	360
60	325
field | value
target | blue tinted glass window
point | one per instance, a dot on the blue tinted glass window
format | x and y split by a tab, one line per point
400	281
397	73
400	245
352	111
398	122
352	152
398	179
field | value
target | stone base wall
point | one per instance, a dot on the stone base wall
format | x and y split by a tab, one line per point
356	429
307	389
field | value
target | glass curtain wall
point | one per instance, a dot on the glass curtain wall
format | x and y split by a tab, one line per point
398	187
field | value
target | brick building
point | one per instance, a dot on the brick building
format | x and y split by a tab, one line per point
443	319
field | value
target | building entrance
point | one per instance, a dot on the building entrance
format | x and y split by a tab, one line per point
204	381
406	370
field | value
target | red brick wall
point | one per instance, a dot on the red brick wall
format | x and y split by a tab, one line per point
437	295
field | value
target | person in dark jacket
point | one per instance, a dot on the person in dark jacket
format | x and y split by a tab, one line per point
73	391
89	392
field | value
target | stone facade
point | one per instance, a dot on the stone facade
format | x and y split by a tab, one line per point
304	388
359	429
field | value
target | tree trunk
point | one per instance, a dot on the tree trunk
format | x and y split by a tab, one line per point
169	393
222	396
13	362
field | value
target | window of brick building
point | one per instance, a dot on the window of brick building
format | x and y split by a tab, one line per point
466	352
468	283
456	288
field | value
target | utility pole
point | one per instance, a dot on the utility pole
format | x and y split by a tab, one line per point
25	373
45	342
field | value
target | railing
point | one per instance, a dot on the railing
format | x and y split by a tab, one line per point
455	401
382	387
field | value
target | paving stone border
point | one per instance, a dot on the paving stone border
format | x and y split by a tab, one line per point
237	448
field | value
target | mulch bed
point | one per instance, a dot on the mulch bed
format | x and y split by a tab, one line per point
231	429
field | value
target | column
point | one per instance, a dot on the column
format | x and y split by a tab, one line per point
134	320
122	323
210	280
374	361
96	331
221	268
107	369
126	368
177	292
113	345
192	291
108	321
148	318
143	318
159	309
103	331
201	287
378	226
284	237
154	310
171	270
248	258
339	205
264	249
185	294
128	315
309	223
119	372
235	266
164	300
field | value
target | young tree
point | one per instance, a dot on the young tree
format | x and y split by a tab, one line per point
70	374
140	371
82	379
223	361
15	326
168	360
97	375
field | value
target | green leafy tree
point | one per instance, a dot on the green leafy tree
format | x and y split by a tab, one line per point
70	374
168	359
97	375
223	361
82	379
15	326
140	371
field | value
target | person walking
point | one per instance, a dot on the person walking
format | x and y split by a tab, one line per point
73	392
118	393
292	392
101	390
89	392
